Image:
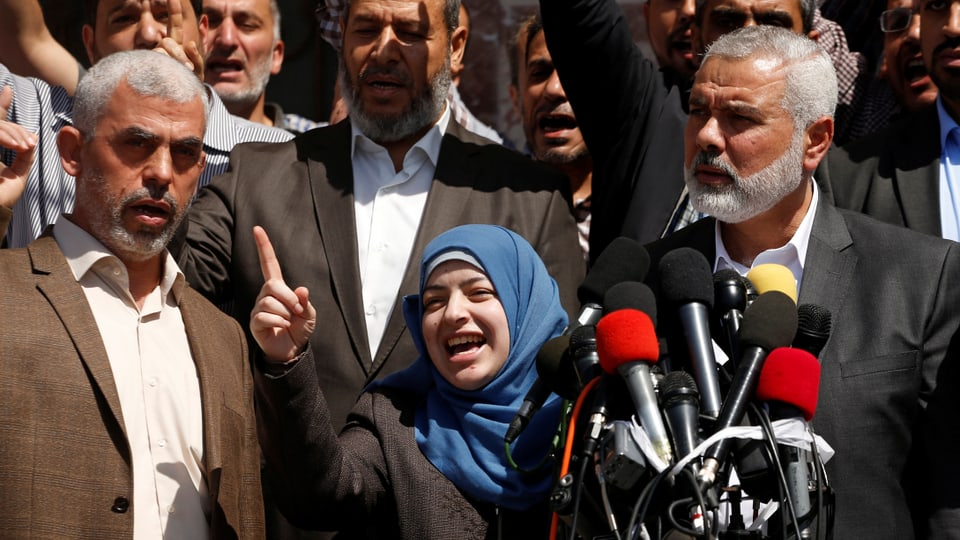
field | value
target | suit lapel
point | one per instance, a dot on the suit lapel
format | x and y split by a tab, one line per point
205	352
829	266
330	168
56	282
442	211
917	177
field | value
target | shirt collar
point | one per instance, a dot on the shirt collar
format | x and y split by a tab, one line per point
792	254
428	144
84	253
947	123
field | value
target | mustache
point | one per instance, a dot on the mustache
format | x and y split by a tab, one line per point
152	192
389	71
949	43
563	107
712	159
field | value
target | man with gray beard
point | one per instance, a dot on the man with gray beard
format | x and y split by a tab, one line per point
127	397
761	120
354	204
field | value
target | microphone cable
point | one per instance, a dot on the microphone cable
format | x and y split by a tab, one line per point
764	421
568	447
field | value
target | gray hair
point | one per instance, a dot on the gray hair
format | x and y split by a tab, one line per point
275	13
811	79
147	73
808	9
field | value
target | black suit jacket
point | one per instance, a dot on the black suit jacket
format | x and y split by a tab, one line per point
301	192
889	382
892	175
631	120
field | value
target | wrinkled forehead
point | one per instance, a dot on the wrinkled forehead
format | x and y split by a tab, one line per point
101	11
724	82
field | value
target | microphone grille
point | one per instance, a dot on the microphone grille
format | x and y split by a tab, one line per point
685	276
626	336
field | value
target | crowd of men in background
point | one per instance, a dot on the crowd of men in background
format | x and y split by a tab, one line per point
616	144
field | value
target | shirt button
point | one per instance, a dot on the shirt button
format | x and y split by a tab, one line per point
171	509
120	505
153	381
116	271
162	443
371	310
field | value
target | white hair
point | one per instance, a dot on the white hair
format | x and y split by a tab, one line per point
147	73
811	79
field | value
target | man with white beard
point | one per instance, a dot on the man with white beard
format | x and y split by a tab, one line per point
761	120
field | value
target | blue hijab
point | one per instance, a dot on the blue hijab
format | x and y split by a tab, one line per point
461	431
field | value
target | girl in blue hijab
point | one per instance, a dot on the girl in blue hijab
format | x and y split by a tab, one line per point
422	454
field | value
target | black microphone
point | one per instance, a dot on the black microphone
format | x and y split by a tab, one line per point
624	259
556	370
813	328
680	402
769	322
729	301
536	396
582	355
687	284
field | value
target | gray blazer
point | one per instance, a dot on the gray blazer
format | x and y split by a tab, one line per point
892	175
889	391
301	192
64	459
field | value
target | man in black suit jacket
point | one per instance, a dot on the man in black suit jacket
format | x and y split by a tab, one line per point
760	121
895	174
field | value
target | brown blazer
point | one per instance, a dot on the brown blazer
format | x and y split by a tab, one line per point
301	192
65	467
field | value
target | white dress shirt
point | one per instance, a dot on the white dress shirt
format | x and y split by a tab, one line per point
792	254
157	383
388	206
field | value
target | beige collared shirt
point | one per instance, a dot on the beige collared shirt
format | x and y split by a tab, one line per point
157	383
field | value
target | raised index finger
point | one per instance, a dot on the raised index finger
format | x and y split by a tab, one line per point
269	264
175	20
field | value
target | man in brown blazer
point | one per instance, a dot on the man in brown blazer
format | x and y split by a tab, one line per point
126	400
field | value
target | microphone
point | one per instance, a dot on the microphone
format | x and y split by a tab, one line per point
729	301
687	284
624	259
790	385
681	406
769	322
556	370
536	396
773	277
813	328
627	344
631	295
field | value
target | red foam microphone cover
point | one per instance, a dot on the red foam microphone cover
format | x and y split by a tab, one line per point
791	376
626	335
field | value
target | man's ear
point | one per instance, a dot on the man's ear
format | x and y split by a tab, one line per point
458	45
515	98
86	34
70	146
814	35
817	141
276	57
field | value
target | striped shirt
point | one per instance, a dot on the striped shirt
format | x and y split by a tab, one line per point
43	109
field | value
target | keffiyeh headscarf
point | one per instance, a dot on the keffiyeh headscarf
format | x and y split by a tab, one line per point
461	431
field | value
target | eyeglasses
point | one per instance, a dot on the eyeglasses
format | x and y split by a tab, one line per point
896	20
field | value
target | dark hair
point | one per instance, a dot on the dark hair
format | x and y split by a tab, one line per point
808	9
527	30
451	14
90	10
